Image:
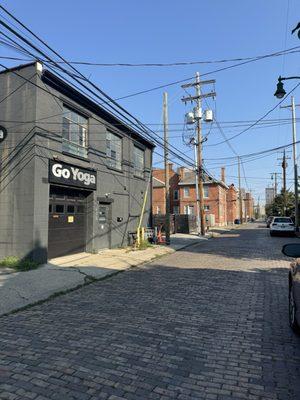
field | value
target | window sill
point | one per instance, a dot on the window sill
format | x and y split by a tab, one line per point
66	153
115	169
139	177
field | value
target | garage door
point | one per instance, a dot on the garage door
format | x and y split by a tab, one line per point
67	221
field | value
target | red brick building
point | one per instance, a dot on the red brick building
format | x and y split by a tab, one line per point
220	200
159	193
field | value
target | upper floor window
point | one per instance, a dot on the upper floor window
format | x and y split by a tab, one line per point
114	150
74	133
205	191
139	161
176	196
186	192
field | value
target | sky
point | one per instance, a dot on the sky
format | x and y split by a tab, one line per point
169	31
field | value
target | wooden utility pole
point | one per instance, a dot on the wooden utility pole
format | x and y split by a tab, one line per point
293	108
199	163
284	167
199	157
240	191
166	157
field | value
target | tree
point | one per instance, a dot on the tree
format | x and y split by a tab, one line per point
277	206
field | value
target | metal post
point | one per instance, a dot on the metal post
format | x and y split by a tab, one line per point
199	156
197	189
284	165
166	156
240	191
295	163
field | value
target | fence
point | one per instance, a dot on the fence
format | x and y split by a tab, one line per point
178	223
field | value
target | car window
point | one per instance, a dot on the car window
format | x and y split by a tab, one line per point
286	220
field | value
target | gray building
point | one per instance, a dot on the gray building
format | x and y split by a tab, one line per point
270	195
72	176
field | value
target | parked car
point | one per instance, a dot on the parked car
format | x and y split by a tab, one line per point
268	221
237	221
280	225
293	250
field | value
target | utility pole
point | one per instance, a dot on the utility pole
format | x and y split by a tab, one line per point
199	163
166	159
240	191
275	174
198	219
293	107
199	157
284	167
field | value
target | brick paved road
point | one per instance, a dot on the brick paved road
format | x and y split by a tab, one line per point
209	322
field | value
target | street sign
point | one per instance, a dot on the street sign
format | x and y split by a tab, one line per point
3	133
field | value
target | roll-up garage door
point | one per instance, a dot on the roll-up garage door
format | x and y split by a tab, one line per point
67	221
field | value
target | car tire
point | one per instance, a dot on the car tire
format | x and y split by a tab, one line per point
292	310
271	233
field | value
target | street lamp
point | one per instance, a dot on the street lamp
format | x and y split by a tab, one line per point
280	92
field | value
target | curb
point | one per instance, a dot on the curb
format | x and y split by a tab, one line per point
90	280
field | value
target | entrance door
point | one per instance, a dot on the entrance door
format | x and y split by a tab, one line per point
104	225
67	221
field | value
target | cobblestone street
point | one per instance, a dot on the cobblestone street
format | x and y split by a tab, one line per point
207	322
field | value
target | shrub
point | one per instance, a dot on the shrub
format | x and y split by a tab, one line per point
19	264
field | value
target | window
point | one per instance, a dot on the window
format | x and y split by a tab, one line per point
70	209
114	150
139	162
189	210
186	192
176	210
205	191
206	207
176	194
59	208
74	133
158	210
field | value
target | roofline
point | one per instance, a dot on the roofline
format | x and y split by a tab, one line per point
154	177
214	182
62	87
18	67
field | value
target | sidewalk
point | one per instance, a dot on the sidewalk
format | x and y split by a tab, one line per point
20	289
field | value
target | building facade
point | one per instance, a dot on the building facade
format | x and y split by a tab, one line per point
220	201
73	176
270	195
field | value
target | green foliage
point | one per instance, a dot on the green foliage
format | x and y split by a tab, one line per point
18	264
283	204
144	245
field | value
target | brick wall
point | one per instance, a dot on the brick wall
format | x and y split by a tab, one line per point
158	193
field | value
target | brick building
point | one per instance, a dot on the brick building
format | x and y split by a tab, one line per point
220	200
158	192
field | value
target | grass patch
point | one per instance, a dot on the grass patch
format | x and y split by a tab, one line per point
144	244
18	264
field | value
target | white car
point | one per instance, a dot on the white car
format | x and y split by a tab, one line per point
282	225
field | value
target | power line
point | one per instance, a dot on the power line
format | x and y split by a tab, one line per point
292	50
139	124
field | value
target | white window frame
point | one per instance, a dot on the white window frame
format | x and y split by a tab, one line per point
74	132
184	192
114	150
139	161
206	188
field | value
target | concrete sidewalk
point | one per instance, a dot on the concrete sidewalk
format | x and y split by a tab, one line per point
20	289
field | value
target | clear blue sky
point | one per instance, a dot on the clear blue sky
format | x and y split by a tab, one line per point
168	31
